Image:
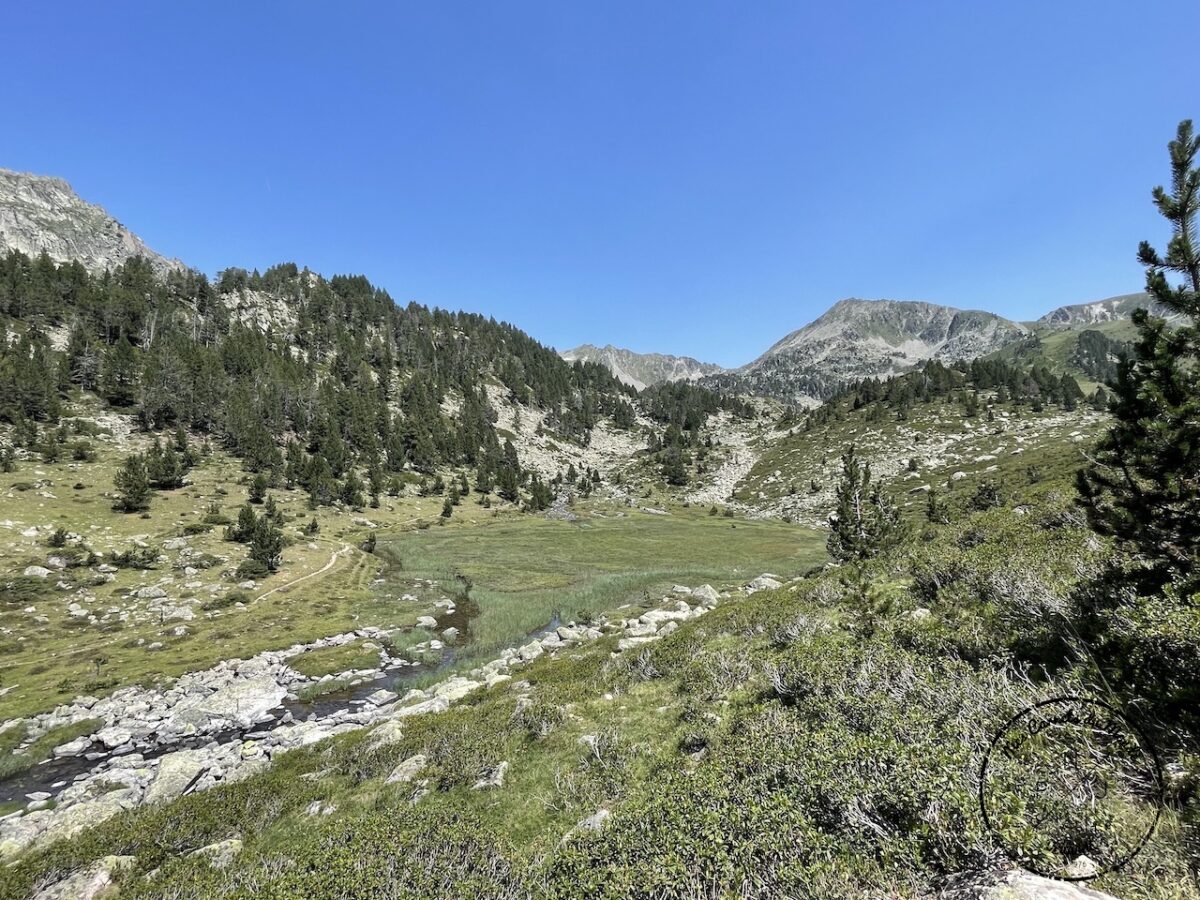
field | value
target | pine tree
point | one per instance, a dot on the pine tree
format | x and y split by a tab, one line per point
164	467
352	491
1142	487
935	509
258	488
119	373
133	485
674	469
866	522
272	511
242	530
507	483
266	544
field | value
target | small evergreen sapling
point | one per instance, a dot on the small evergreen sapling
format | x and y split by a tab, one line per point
865	522
133	485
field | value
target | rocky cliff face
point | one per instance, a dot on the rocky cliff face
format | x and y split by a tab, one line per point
640	370
1114	309
868	339
38	213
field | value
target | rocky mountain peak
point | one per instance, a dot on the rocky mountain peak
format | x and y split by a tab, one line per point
858	338
42	213
640	370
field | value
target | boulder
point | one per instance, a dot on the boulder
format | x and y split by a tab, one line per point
177	772
408	769
242	702
657	616
642	629
456	688
530	651
73	748
220	854
427	622
68	822
88	883
706	594
389	732
434	705
1022	885
762	583
382	697
570	634
114	736
302	735
36	572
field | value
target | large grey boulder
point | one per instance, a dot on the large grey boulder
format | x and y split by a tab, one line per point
1018	884
89	883
242	702
73	748
456	688
176	773
407	770
433	705
762	583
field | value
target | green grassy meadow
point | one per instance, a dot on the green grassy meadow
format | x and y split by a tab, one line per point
524	571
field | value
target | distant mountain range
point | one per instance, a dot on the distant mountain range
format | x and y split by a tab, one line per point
640	370
854	339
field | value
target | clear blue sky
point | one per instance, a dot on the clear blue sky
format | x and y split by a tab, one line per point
695	178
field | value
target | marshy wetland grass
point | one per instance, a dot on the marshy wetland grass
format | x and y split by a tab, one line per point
525	572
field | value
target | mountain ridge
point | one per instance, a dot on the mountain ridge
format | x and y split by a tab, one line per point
42	213
855	338
642	370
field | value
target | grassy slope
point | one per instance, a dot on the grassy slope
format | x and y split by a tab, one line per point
811	741
1058	346
1019	446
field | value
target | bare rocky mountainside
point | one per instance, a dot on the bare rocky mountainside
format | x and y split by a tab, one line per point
867	339
42	214
1101	312
641	370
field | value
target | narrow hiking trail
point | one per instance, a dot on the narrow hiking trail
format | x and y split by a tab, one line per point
333	558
